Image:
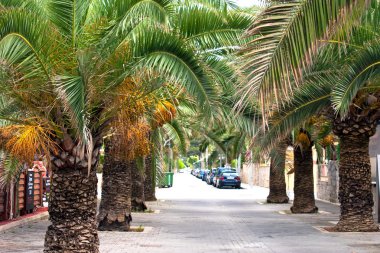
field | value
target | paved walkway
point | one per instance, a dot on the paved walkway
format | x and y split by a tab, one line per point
195	217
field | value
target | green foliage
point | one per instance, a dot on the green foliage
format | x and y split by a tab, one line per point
99	169
192	159
234	163
181	164
277	53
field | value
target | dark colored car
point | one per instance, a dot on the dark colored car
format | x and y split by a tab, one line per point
204	174
218	173
228	178
201	174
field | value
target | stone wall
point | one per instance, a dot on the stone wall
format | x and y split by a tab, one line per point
258	175
255	174
244	173
327	187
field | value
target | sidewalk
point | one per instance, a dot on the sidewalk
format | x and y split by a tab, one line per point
40	214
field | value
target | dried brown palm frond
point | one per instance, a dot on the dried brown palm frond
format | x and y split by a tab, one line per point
130	139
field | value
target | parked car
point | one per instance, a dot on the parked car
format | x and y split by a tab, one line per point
210	176
218	173
204	175
201	173
228	178
195	172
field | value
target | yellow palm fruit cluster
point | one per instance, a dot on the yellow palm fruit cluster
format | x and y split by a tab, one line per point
137	140
327	140
165	112
24	141
303	140
130	129
131	101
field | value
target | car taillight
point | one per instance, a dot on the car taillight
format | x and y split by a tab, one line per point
222	178
237	178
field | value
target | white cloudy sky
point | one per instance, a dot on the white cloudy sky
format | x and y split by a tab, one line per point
247	3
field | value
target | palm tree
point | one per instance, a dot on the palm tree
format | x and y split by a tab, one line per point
190	53
126	142
356	119
317	130
138	197
279	49
55	50
349	90
116	204
162	124
277	184
304	201
150	179
147	31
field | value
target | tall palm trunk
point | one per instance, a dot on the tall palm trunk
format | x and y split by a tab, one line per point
304	201
355	195
115	206
149	185
72	206
138	198
277	184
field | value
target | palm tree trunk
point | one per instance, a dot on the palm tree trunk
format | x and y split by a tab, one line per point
304	201
72	206
138	198
115	206
277	184
149	185
355	195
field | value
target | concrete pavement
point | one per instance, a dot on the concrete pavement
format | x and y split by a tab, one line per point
196	217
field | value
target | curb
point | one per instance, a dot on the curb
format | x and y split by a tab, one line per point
327	202
24	221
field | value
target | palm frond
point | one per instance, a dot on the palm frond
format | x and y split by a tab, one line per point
157	10
285	37
177	134
18	56
215	139
72	90
308	101
69	16
363	65
24	39
220	5
164	53
208	29
12	168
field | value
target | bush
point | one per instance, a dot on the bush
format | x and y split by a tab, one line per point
181	164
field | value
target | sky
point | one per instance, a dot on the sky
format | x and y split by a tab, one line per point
247	3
